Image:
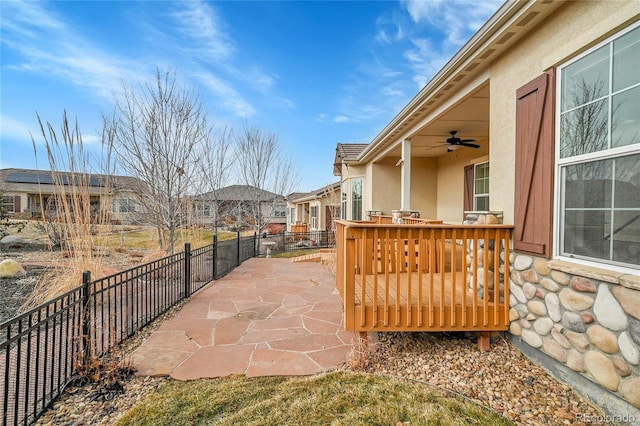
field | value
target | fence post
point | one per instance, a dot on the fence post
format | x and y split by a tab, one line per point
238	251
85	318
215	254
187	270
256	241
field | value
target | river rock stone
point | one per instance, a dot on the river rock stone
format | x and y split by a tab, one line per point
575	361
629	300
541	266
582	284
629	350
560	277
537	307
602	369
522	262
572	321
513	314
554	350
518	293
621	366
522	310
578	340
532	338
529	290
530	276
608	311
603	339
587	317
630	390
515	329
634	330
516	278
574	301
543	325
549	284
559	337
540	293
12	241
10	268
524	324
553	306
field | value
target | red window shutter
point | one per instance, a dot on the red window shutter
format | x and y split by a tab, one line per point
535	166
468	189
16	204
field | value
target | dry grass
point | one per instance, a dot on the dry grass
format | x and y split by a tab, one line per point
335	398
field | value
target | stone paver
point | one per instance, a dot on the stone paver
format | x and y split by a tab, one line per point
268	317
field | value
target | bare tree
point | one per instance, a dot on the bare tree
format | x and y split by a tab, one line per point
158	130
214	168
263	169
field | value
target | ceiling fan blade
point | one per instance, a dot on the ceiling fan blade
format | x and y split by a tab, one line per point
467	140
470	145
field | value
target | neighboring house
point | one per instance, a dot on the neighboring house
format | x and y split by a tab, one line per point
30	193
239	205
315	210
548	95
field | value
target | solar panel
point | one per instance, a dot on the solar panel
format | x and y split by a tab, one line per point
46	178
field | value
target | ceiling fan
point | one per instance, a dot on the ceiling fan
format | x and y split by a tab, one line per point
454	142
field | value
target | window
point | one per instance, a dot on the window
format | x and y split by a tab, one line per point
292	215
351	196
8	204
356	199
314	217
279	211
343	199
598	156
481	187
125	205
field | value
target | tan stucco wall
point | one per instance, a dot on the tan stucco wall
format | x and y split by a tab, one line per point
572	29
424	189
451	181
386	185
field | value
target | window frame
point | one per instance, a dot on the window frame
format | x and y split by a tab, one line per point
355	201
313	215
477	195
608	153
9	199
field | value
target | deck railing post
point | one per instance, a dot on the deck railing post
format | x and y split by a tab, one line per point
85	294
187	270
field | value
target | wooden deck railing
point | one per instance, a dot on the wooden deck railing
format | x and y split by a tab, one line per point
423	276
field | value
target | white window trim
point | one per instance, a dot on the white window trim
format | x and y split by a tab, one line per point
475	193
560	163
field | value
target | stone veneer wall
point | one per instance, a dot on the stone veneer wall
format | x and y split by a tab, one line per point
585	318
481	218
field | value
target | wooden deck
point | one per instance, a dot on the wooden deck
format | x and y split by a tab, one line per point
423	277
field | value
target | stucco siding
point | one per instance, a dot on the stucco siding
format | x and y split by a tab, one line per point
575	27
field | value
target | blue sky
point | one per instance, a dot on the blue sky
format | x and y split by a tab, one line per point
314	73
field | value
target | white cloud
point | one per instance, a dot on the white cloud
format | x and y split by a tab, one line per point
228	96
11	128
53	48
457	19
200	23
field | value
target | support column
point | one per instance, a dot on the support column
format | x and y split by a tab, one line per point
405	176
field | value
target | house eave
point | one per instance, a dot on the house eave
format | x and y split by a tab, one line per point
513	20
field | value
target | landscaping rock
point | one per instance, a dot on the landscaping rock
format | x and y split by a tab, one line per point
12	241
9	268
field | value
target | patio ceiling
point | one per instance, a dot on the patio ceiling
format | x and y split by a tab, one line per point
469	117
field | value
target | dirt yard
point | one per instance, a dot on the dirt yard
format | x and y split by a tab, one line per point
37	257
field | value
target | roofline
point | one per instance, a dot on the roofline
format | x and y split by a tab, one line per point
496	24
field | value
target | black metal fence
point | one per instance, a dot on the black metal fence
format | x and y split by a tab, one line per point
40	350
296	241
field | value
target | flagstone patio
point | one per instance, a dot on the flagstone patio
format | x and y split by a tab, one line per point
268	317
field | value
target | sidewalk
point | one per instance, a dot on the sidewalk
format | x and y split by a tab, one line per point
268	317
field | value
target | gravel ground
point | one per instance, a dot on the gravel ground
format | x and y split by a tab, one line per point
502	379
